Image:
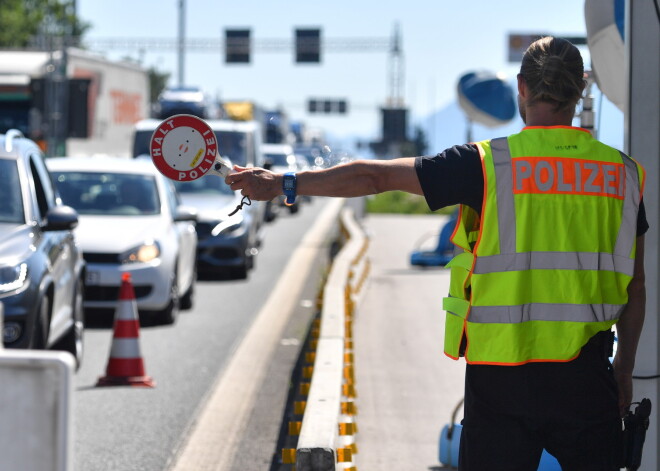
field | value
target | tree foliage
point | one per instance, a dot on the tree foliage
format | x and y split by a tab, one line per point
157	81
418	146
30	23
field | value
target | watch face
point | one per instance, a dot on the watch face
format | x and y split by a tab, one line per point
289	183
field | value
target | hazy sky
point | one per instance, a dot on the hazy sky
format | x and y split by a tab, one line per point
442	40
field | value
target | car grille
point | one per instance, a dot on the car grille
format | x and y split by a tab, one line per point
220	253
102	258
111	293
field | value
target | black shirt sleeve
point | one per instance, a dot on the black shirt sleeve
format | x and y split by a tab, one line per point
455	176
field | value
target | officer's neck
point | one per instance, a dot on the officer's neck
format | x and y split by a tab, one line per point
545	114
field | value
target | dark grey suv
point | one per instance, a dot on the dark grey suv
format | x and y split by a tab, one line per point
41	265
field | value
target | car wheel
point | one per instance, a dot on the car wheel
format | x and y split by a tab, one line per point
171	312
293	209
73	340
40	330
187	300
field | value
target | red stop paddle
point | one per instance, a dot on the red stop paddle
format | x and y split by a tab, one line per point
184	148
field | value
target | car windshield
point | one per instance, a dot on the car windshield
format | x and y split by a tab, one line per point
11	206
209	185
232	145
102	193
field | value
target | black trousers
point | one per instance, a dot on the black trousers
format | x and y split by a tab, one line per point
571	409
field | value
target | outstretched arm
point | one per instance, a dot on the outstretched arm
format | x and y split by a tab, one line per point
629	329
357	178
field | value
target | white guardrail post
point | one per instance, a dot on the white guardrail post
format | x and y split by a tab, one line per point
35	409
327	434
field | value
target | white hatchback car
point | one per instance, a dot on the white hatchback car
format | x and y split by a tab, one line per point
130	220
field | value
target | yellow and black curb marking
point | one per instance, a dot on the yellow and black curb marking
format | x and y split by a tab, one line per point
335	331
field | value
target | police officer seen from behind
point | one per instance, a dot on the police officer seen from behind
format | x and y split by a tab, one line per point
552	226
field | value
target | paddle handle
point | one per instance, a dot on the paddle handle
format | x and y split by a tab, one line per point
221	167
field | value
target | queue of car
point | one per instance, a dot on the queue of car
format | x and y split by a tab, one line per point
71	227
229	240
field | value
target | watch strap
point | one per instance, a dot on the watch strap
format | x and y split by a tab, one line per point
289	187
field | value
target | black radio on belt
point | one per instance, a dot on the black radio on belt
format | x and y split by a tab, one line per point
636	423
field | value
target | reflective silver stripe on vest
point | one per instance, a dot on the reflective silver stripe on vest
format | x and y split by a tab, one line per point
628	230
554	261
506	210
544	312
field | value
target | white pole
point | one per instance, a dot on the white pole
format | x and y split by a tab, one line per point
642	142
182	39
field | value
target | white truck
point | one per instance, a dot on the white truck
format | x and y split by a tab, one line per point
105	100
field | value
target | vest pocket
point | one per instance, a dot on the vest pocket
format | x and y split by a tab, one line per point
454	324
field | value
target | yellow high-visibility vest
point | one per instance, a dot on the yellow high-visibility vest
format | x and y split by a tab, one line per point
548	262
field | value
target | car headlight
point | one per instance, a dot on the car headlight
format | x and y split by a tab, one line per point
13	277
141	254
230	224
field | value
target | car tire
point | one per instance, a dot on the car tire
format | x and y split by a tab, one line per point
169	315
72	341
293	209
187	300
40	330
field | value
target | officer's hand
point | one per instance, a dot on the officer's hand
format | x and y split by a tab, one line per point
625	384
256	183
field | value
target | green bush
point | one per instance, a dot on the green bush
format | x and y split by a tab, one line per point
399	202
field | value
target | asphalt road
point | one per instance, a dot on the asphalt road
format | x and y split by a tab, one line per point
124	428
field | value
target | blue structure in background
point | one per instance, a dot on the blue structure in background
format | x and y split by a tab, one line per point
486	98
450	439
444	250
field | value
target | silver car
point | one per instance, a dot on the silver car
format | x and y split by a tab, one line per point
41	264
131	220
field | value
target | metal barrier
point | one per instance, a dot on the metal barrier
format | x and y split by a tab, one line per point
36	409
327	431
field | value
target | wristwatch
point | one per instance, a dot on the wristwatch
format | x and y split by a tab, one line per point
289	188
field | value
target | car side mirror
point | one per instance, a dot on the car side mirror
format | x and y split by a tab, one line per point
61	218
268	164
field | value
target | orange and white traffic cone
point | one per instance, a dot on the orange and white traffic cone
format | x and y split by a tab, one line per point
125	366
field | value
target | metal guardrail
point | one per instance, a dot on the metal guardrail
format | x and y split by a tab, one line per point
327	431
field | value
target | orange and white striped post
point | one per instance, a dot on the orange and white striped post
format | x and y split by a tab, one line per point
125	366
